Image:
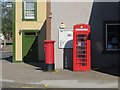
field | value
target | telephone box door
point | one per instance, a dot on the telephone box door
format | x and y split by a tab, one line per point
81	48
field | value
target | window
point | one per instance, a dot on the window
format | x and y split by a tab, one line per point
29	10
30	33
112	36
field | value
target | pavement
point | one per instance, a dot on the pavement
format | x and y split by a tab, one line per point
21	75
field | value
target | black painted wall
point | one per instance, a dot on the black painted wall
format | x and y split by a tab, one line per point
102	11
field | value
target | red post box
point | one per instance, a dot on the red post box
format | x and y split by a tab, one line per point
81	48
49	54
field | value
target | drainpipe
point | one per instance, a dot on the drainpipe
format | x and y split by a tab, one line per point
119	10
48	20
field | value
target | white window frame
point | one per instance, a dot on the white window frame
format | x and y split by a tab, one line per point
107	49
26	17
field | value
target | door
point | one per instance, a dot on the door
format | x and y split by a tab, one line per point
29	46
81	51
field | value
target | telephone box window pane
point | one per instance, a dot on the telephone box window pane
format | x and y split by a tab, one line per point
112	37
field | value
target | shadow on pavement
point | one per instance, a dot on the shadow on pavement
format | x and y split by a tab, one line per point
39	65
9	59
110	71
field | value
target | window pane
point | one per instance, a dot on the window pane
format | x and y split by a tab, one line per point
29	13
113	37
29	5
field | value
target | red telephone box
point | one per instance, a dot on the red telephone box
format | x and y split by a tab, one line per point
81	48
